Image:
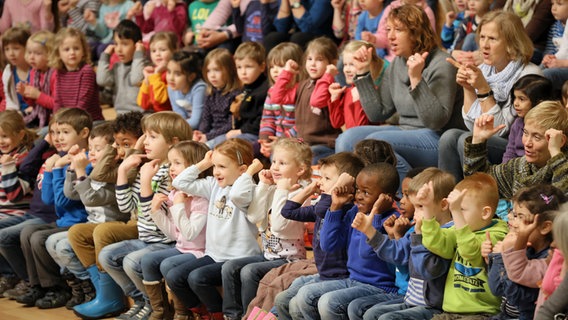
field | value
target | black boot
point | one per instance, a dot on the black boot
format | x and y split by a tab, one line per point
77	295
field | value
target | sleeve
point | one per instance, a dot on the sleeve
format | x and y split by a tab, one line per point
371	99
523	271
556	303
497	275
158	91
336	111
220	16
47	195
469	246
241	195
188	182
30	166
294	211
441	242
280	93
206	116
197	102
559	167
136	69
143	98
260	203
91	197
334	233
105	76
280	224
430	266
191	227
447	34
47	100
163	221
13	186
126	199
392	251
87	88
314	18
268	119
68	188
58	183
321	95
255	107
238	20
510	150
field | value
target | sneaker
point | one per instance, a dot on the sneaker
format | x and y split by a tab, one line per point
144	313
19	290
7	283
29	299
54	298
136	307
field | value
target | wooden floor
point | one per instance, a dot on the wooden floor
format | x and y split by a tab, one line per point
11	310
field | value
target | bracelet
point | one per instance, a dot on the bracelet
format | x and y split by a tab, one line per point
485	95
229	34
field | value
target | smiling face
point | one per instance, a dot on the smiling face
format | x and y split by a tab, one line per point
215	75
316	65
160	52
176	78
155	145
368	191
225	170
124	49
329	175
536	145
349	69
284	165
71	53
15	54
399	38
177	163
36	55
522	103
96	149
249	70
9	141
493	47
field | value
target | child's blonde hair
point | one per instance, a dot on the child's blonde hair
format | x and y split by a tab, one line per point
104	130
549	115
44	38
170	38
13	124
224	60
442	182
559	228
323	46
193	152
565	93
169	124
251	50
482	187
283	52
15	35
377	64
238	150
64	33
300	151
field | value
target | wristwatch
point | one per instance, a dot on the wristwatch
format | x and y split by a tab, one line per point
296	5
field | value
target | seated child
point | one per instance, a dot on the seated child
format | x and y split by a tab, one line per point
16	70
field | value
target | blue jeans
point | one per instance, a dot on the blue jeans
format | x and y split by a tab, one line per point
357	309
252	138
11	256
469	43
60	250
282	300
240	282
320	151
399	311
122	260
557	75
329	299
451	153
151	263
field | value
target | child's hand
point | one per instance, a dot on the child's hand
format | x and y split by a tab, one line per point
31	92
556	140
292	66
383	203
157	202
233	133
455	199
197	135
74	150
149	170
180	197
162	67
426	197
235	3
450	18
486	247
498	248
362	59
286	184
313	188
147	72
265	176
90	17
140	46
335	90
401	226
368	36
21	87
345	180
50	162
207	161
388	225
342	191
130	162
63	161
110	49
548	60
188	37
484	128
331	69
255	166
80	162
337	4
364	223
509	241
266	145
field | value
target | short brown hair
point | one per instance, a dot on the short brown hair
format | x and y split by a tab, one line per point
442	182
549	115
193	152
169	124
15	35
418	25
170	38
76	118
346	162
223	58
283	52
251	50
323	46
482	187
236	149
104	130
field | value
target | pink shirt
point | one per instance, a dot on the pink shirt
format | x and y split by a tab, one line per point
223	11
17	12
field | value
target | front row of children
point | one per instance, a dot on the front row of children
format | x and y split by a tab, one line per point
157	209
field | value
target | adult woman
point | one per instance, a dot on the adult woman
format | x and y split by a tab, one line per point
506	50
418	84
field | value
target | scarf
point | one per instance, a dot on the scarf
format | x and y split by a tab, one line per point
40	113
502	82
522	8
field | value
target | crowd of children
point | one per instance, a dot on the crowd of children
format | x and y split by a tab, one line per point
195	200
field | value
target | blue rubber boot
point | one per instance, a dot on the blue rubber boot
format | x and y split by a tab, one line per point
109	300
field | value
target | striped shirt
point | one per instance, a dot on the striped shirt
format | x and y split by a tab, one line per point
15	192
78	89
128	199
415	293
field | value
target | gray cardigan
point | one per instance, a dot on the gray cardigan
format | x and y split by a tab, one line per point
435	103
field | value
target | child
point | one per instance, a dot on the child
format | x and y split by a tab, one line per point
331	265
15	185
102	23
472	203
465	35
186	89
534	212
160	16
229	192
72	15
544	138
34	15
223	86
313	124
554	64
39	92
282	239
251	65
368	20
278	120
425	290
197	12
368	275
375	151
343	103
122	260
153	95
453	21
76	81
16	70
183	221
256	21
74	126
527	92
126	75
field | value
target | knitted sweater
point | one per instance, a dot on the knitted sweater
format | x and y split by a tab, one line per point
78	89
278	120
27	13
15	190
